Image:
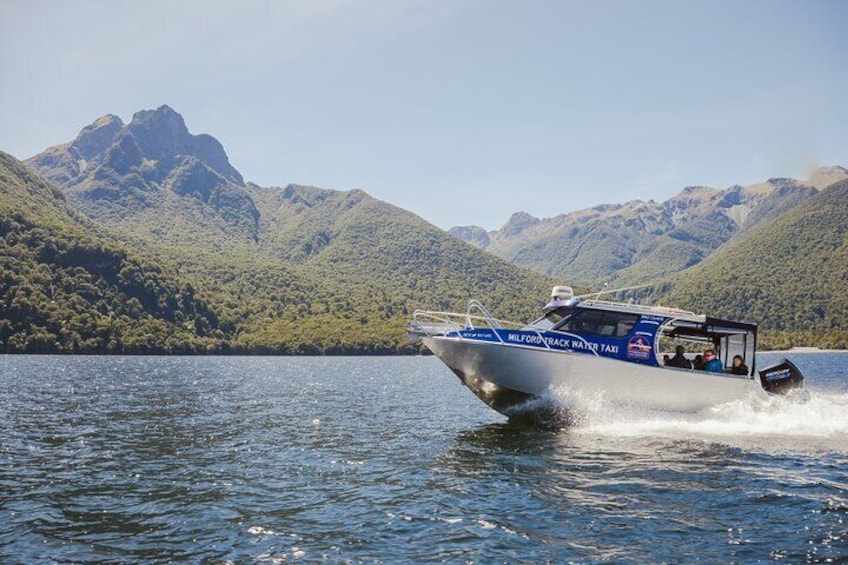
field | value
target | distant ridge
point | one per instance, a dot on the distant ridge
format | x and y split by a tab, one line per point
642	241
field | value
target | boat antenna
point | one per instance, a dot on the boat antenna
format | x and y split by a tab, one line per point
610	291
603	290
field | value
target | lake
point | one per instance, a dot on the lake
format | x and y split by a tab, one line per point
391	460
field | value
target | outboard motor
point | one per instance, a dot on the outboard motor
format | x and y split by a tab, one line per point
781	377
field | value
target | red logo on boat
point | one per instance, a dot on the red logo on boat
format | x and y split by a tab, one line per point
638	348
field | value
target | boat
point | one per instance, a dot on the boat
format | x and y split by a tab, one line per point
590	349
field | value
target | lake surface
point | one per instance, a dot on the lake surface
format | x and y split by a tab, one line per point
391	460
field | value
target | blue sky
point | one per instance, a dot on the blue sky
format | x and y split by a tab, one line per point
462	112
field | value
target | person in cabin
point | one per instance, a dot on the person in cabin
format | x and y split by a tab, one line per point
739	366
698	363
666	361
679	360
713	363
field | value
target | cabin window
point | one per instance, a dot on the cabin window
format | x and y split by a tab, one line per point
556	316
552	318
600	322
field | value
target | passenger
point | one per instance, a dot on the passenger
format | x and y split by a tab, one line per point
666	361
698	363
679	359
713	363
739	366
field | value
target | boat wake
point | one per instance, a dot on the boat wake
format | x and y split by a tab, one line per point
804	419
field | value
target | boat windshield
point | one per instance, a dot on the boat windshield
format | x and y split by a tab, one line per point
599	322
553	317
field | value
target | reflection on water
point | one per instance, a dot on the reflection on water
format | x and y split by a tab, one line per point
275	460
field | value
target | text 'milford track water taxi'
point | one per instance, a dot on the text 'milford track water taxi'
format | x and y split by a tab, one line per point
595	348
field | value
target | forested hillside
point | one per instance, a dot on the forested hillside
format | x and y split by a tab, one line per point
287	270
372	265
66	287
790	275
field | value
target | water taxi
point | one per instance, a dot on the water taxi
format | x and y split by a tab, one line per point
591	349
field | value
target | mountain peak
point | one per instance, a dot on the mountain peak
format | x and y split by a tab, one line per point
155	152
474	235
164	114
94	139
107	120
160	136
822	177
697	189
518	222
161	133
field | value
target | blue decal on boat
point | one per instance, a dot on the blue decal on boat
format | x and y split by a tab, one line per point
638	349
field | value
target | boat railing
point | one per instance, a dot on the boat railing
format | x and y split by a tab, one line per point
475	305
431	323
642	308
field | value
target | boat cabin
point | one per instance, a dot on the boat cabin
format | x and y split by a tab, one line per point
643	333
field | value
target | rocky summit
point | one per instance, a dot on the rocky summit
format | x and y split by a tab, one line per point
112	169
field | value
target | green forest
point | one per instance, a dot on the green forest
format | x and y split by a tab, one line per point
68	289
155	282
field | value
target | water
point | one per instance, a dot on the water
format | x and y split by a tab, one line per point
391	460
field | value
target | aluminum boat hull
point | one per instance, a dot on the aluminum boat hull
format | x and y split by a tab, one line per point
506	376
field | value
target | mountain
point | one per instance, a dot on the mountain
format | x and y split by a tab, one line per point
641	241
300	269
67	286
347	234
378	263
790	275
112	171
292	269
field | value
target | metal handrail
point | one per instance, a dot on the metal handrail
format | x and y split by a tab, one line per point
642	307
473	304
450	321
460	321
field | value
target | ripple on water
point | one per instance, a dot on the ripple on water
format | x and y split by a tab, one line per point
279	460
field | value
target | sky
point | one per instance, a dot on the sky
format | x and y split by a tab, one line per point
461	111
